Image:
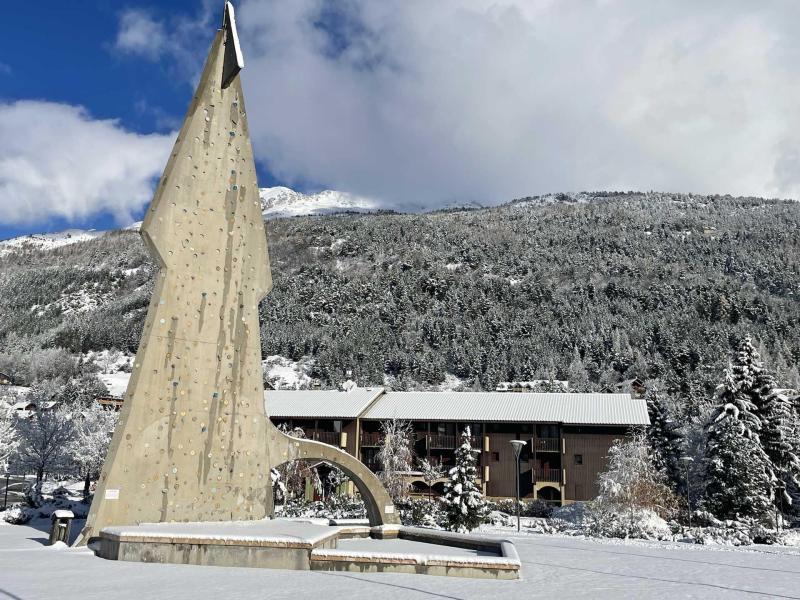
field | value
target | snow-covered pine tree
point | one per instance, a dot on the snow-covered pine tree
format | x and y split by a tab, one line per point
738	480
664	437
774	410
778	440
464	505
577	373
738	471
730	399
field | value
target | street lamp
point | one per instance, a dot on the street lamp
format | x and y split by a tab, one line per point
779	488
517	444
687	460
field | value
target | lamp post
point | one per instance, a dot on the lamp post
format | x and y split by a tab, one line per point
517	444
779	487
687	460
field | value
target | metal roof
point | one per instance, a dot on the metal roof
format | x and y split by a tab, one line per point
568	408
321	404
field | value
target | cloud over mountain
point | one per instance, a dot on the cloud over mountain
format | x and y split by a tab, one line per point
484	100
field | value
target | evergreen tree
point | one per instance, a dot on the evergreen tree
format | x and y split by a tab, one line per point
577	373
738	483
464	504
779	442
664	437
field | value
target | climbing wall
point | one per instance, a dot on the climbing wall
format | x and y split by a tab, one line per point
191	444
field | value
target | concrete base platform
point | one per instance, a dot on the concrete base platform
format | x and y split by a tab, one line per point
304	545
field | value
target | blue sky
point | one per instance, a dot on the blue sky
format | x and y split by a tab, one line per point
407	102
64	52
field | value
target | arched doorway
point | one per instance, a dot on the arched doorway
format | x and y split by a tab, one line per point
550	494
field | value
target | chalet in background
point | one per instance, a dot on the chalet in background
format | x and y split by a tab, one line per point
568	435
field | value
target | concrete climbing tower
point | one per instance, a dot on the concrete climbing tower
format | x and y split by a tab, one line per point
194	442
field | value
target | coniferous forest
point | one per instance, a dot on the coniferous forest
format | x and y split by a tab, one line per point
591	288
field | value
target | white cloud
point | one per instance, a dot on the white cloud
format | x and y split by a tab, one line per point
58	162
140	34
420	102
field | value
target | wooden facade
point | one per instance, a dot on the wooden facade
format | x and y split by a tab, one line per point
559	464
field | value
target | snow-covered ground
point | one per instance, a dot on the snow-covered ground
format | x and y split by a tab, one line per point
552	567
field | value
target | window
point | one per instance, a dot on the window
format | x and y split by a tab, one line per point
496	456
579	459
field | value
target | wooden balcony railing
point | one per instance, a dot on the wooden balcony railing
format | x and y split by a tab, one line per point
371	439
433	441
547	444
438	441
549	475
327	437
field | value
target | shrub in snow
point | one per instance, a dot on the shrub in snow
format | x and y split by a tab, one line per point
639	523
500	519
532	508
464	505
422	512
18	515
334	507
632	485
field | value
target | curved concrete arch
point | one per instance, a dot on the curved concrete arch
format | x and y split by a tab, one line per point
380	508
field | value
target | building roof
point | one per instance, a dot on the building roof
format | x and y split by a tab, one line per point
375	403
322	404
567	408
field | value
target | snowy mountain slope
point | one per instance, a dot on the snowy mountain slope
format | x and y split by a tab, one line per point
278	202
48	241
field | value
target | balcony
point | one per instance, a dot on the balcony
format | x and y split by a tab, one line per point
548	475
370	439
327	437
547	444
437	441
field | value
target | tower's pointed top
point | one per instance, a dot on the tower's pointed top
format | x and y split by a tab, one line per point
234	61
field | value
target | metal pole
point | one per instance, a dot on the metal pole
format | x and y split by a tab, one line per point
518	512
5	499
517	445
686	461
688	495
